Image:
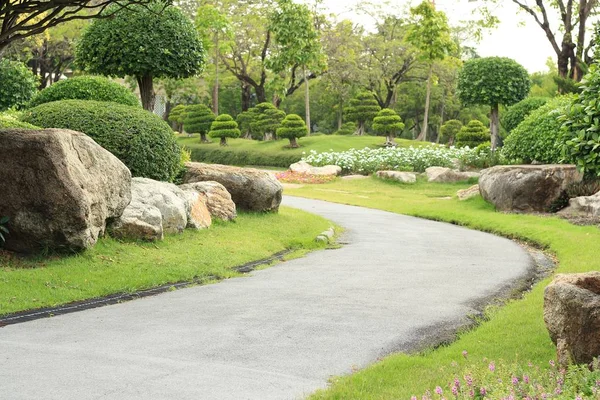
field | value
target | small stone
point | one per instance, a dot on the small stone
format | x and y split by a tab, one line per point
302	167
584	206
354	177
322	238
399	176
448	175
466	194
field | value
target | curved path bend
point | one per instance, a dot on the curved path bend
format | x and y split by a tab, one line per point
279	333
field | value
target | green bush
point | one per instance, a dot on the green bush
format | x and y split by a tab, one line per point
8	120
292	127
387	123
86	88
449	130
537	138
515	114
224	127
347	129
266	120
581	128
197	118
17	84
142	140
473	134
177	116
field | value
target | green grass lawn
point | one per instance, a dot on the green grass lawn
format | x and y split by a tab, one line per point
514	332
114	267
276	153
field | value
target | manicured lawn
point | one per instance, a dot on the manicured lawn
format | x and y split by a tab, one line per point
514	332
276	153
113	267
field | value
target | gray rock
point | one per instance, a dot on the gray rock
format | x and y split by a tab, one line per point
250	189
572	316
585	206
302	167
448	175
466	194
140	222
526	188
58	189
404	177
218	200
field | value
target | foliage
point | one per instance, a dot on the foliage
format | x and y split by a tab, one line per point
3	230
267	119
449	130
391	158
472	135
430	32
537	138
95	88
516	113
141	140
387	123
17	84
363	108
177	115
347	128
581	128
8	120
244	120
224	127
292	127
198	119
587	187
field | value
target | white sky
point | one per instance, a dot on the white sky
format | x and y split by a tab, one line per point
517	37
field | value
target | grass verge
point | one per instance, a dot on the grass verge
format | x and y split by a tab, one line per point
114	267
512	333
276	153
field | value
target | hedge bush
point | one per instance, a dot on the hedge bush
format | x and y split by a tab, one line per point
515	114
473	134
17	84
9	120
142	140
95	88
537	138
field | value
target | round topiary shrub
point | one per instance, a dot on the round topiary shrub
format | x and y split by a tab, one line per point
537	137
17	84
515	114
86	88
224	127
449	130
177	116
472	135
197	119
142	140
387	123
347	129
292	127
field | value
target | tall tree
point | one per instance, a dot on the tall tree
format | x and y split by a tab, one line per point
430	34
145	42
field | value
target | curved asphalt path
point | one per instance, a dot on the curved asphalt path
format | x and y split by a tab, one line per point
279	333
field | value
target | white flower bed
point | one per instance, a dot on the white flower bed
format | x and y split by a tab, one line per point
393	158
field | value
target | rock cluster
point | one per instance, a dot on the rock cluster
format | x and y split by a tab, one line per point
302	167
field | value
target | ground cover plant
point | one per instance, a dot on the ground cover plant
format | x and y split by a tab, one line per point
113	266
277	153
513	333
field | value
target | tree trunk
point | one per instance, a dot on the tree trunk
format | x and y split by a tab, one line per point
442	116
246	93
423	134
306	101
215	95
261	96
223	141
293	143
340	119
168	107
203	138
146	92
361	128
494	125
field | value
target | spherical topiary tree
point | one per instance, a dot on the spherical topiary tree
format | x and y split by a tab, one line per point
516	113
141	140
362	109
146	41
537	138
493	81
473	134
198	119
348	128
266	121
292	127
96	88
387	123
177	116
449	130
224	127
17	84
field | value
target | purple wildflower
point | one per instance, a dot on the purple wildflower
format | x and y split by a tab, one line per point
438	390
492	366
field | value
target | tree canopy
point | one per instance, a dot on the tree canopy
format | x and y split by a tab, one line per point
292	127
387	123
362	108
198	119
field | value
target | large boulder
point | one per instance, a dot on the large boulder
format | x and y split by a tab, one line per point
302	167
198	216
58	189
399	176
139	221
526	188
448	175
250	189
218	200
584	206
572	316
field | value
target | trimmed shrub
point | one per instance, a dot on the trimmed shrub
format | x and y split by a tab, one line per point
347	129
581	128
449	130
142	140
472	135
244	120
197	119
17	84
362	109
267	119
292	127
224	127
95	88
8	121
177	116
537	138
387	123
515	114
